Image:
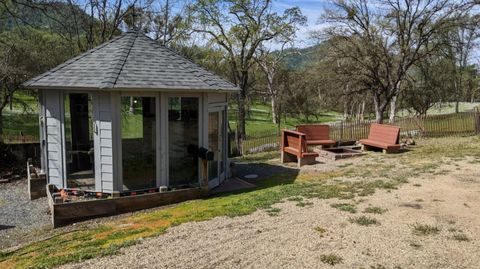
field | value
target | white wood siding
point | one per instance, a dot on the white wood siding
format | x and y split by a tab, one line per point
217	98
54	137
42	129
103	142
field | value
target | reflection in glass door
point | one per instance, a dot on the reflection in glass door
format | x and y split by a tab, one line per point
79	141
138	142
183	136
215	144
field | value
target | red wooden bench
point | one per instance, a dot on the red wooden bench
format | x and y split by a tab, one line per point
382	136
294	148
317	134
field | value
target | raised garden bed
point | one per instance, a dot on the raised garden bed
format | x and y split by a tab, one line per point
64	213
36	182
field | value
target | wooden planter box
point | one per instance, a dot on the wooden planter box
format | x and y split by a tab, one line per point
70	212
36	183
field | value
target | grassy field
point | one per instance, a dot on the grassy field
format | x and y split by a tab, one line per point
259	119
346	182
446	108
20	120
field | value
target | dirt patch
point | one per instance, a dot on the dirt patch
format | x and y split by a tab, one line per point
448	201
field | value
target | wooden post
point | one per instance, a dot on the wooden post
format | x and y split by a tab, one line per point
341	130
204	173
477	120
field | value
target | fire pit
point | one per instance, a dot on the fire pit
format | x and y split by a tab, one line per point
339	152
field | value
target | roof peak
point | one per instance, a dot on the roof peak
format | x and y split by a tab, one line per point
132	60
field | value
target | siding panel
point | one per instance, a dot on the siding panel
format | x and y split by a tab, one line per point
217	98
107	186
103	147
53	121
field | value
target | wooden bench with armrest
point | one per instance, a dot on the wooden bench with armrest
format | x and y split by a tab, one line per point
317	134
382	136
294	148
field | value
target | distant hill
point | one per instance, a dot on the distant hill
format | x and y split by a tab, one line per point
42	16
302	58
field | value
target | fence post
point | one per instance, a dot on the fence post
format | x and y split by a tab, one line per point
341	130
476	114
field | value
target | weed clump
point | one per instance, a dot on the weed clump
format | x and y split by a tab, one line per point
345	207
331	259
425	229
364	221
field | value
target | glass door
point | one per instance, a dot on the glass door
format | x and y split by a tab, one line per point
216	167
138	121
79	149
183	141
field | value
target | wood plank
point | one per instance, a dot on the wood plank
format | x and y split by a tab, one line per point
67	213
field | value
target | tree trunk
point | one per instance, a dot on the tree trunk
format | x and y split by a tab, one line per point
345	110
393	109
362	111
241	119
457	97
345	104
379	109
132	105
1	127
274	109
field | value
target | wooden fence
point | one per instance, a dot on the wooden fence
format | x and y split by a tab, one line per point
19	139
457	124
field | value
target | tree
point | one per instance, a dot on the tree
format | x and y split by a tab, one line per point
427	83
270	60
239	28
25	52
170	25
385	39
462	41
84	24
167	21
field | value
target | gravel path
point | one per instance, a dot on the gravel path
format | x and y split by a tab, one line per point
448	201
20	216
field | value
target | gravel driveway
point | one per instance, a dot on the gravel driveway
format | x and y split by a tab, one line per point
19	216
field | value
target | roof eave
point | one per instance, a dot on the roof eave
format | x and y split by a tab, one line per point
182	89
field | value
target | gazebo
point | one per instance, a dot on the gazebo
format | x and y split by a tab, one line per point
131	115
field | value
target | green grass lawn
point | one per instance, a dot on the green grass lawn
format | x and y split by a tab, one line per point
259	119
258	123
19	120
16	123
446	108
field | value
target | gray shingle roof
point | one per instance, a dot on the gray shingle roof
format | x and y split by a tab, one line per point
130	61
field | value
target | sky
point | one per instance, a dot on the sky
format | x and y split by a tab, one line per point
310	8
313	10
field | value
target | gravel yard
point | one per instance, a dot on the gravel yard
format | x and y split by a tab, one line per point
20	217
430	222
